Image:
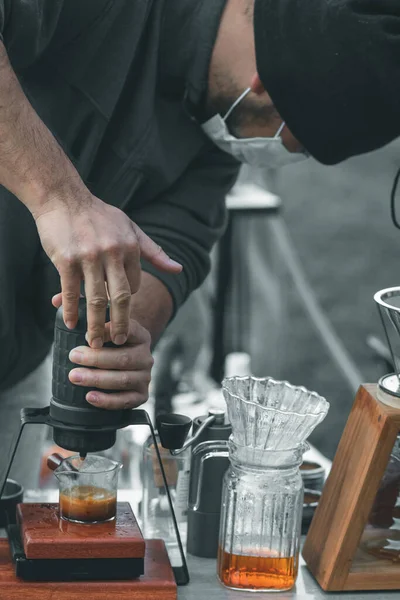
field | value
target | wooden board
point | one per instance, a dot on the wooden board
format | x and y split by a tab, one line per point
157	583
45	535
331	548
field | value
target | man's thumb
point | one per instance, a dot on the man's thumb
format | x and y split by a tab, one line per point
154	254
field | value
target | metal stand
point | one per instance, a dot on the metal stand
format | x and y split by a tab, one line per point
40	416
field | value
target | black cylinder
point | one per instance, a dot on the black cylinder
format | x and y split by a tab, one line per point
68	405
12	495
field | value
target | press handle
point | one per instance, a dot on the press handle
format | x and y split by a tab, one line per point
55	460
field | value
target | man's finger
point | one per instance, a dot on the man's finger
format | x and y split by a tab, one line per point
154	253
133	271
123	400
120	301
137	334
57	300
111	380
96	301
125	358
70	291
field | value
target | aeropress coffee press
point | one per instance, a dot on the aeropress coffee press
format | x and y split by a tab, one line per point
44	546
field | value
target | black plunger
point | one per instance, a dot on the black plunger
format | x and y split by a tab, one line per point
79	426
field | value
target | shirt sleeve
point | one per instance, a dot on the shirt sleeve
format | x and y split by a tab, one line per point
188	219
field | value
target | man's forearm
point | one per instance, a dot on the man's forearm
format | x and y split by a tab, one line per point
33	165
152	306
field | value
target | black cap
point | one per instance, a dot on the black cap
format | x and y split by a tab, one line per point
332	69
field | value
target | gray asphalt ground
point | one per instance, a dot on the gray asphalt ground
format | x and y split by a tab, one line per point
339	221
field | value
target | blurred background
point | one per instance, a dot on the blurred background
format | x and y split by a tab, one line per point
339	221
290	295
336	222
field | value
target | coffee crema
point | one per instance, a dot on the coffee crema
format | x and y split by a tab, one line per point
88	504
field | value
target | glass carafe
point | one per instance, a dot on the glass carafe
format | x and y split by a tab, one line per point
261	519
263	488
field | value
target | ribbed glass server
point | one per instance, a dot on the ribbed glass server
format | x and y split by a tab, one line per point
262	496
261	524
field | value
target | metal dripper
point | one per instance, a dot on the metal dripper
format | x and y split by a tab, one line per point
388	302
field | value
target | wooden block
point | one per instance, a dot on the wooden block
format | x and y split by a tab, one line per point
331	550
45	535
157	583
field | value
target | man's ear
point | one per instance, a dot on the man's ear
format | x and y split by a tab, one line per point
256	85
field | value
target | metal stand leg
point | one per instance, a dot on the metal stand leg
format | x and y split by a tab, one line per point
29	416
140	417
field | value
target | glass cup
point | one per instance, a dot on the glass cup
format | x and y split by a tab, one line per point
156	515
88	488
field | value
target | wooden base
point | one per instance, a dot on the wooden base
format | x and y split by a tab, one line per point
157	583
335	546
46	536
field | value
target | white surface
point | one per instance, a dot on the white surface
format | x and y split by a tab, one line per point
251	197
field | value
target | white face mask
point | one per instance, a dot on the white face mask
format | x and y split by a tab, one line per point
258	151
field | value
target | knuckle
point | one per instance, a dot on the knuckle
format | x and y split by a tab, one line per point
90	255
122	299
68	261
125	381
146	380
113	249
93	359
133	245
70	296
143	397
95	379
125	361
97	302
146	337
128	402
106	402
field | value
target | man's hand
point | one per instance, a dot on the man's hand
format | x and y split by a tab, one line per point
84	237
97	243
126	369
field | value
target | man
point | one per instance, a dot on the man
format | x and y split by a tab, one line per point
113	136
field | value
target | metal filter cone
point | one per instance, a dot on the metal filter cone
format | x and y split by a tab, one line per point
388	302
